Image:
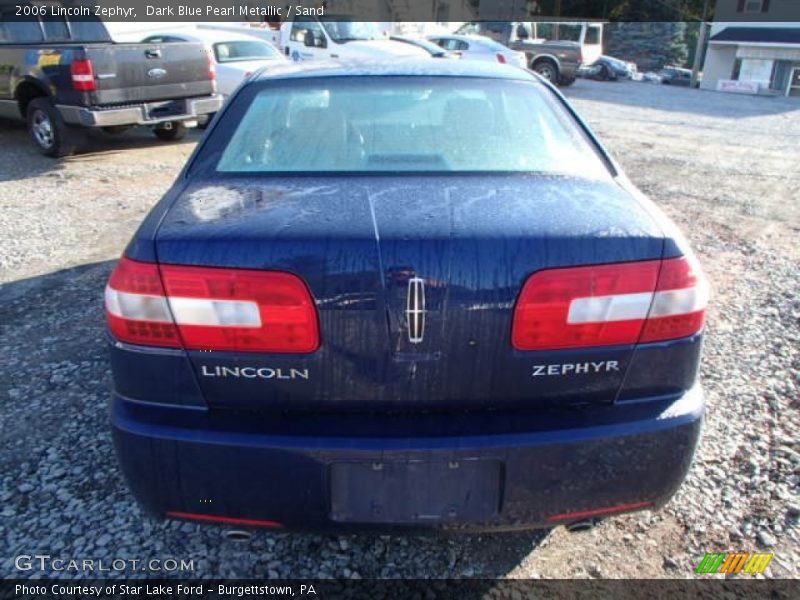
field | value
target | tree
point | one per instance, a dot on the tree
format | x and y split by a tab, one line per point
620	10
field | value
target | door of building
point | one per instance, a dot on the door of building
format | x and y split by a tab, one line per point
794	83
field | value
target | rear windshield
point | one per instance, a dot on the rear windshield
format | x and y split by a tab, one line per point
397	124
244	50
491	45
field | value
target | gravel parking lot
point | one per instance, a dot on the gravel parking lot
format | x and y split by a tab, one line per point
725	167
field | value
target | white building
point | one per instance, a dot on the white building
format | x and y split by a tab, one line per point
757	50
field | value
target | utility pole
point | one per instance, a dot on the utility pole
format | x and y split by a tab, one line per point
701	40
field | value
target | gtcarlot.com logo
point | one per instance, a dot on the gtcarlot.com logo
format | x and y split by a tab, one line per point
735	562
45	562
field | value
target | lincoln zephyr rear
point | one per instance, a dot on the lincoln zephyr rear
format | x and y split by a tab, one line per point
418	295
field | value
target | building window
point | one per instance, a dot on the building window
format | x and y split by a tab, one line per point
753	6
757	70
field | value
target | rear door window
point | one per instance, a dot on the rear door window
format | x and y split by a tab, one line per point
14	31
91	30
55	29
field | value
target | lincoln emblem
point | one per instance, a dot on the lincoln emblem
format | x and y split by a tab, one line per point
415	310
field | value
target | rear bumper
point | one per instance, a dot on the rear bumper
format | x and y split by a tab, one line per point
150	113
190	461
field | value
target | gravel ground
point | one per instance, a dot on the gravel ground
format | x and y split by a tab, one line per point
724	167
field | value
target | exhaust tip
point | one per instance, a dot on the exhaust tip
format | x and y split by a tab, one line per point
238	536
582	525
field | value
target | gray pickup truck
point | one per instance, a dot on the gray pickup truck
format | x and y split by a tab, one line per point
63	76
556	60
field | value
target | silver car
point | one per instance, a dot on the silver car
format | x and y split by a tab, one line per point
478	47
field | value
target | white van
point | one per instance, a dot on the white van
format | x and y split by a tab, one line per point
341	38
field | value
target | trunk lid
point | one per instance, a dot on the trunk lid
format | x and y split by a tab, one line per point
149	72
361	244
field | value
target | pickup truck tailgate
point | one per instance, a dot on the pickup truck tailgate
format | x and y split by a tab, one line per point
148	72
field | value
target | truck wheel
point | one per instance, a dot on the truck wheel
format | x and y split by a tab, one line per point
48	131
203	124
546	69
116	129
173	134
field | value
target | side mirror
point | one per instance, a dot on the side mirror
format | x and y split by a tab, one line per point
312	41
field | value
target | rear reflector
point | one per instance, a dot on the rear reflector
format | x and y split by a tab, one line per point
211	308
226	520
501	58
585	514
82	75
612	304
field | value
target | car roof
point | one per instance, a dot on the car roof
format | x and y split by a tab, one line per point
209	36
409	67
467	37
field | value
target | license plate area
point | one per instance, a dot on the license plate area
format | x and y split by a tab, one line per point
415	492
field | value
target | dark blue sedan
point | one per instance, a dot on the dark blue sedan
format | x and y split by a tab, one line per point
408	295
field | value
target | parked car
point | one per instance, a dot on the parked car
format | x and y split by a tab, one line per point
341	38
608	68
267	32
236	56
433	49
675	76
414	293
64	76
478	47
555	50
651	77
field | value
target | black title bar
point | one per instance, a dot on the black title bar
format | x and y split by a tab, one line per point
462	589
397	10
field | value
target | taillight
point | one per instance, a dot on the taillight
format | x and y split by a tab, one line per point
83	75
212	70
136	306
501	58
605	305
208	308
679	304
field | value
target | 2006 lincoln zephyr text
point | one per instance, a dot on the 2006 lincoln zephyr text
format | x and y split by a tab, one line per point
410	295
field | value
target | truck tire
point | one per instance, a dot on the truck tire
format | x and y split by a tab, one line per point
116	129
547	69
173	134
203	124
565	81
48	131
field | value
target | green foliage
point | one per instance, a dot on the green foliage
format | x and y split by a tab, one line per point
623	10
649	45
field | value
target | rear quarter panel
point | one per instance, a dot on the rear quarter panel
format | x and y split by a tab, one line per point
46	67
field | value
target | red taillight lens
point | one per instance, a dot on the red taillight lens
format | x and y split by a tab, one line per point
679	305
605	305
220	309
136	306
212	70
83	75
241	309
501	58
